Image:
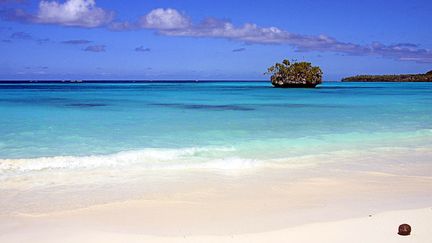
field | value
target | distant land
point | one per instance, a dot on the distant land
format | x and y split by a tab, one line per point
426	77
121	81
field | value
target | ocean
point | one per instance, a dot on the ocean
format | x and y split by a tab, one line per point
65	136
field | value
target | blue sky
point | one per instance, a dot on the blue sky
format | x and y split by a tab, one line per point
191	39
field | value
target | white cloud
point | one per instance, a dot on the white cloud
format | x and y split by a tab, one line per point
83	13
171	22
254	34
164	19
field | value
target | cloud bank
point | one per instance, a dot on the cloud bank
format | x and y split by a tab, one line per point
164	19
171	22
80	13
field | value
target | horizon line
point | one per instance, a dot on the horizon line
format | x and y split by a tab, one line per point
130	80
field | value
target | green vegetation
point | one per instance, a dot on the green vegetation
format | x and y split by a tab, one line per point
427	77
296	74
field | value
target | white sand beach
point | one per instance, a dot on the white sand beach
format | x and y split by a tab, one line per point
360	207
380	227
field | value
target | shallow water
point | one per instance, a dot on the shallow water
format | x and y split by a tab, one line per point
52	134
39	120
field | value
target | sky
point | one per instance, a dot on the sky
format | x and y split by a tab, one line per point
210	40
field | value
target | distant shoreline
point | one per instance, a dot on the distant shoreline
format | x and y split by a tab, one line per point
426	77
122	81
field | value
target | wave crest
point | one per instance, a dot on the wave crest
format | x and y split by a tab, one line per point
150	158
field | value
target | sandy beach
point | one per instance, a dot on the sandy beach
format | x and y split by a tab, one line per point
262	207
380	227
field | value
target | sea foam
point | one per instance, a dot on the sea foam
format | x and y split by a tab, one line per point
149	158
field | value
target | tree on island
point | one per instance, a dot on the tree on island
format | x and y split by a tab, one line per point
295	75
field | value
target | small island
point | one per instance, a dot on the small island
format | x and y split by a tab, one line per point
295	75
427	77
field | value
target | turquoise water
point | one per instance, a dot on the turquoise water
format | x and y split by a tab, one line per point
140	123
67	146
